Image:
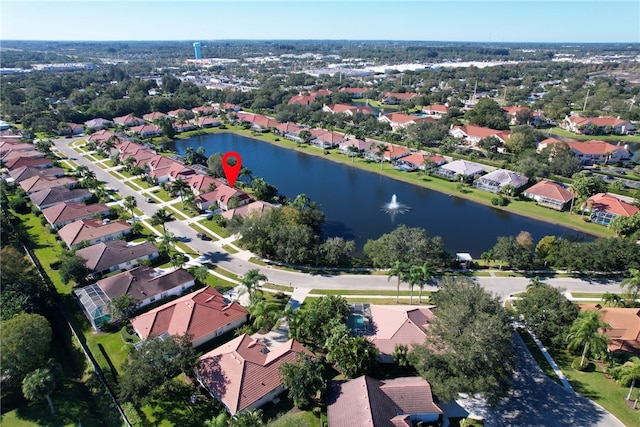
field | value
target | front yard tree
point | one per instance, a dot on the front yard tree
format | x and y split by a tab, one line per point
628	374
303	378
351	355
161	217
251	280
39	385
130	204
25	343
632	284
73	267
312	326
468	347
585	333
547	312
155	364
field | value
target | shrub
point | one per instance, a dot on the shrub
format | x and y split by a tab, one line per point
577	366
279	295
499	201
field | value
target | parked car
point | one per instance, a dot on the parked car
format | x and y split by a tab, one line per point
149	200
203	236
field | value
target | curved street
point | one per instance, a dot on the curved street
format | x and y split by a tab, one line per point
238	263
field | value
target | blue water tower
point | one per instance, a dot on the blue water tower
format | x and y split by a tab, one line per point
197	48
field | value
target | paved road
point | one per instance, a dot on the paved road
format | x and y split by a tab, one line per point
238	264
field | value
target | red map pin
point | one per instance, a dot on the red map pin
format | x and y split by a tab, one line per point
231	171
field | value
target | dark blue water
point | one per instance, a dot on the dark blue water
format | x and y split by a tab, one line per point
352	198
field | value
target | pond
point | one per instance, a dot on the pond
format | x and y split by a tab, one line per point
353	200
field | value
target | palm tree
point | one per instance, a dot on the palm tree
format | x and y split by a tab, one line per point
399	269
81	170
180	186
612	299
380	148
161	217
414	278
265	315
167	240
632	284
427	273
245	172
39	384
585	332
534	283
353	152
130	204
251	280
628	374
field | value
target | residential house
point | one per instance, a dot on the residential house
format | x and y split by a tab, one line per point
102	135
400	120
92	230
20	161
624	327
184	127
347	109
181	113
394	98
221	197
143	283
366	402
394	152
98	123
105	257
592	152
355	92
473	134
206	122
128	121
70	129
392	325
26	172
328	140
49	197
146	131
498	179
537	117
244	373
459	168
65	213
436	111
256	207
302	99
205	110
201	183
419	161
550	194
22	150
598	125
39	182
166	169
360	144
605	207
204	314
155	117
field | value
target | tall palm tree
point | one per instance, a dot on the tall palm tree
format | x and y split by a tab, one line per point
167	240
414	278
380	148
161	217
427	273
251	280
400	270
180	186
534	283
265	315
353	152
585	333
629	373
610	298
81	170
632	283
130	204
39	384
245	172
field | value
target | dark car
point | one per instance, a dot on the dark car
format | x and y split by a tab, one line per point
203	236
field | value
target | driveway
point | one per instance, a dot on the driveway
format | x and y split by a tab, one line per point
537	400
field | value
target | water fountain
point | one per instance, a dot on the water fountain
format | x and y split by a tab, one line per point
395	207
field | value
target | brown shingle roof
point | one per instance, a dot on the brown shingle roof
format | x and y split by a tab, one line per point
68	211
242	371
91	230
38	183
143	282
51	196
105	255
199	313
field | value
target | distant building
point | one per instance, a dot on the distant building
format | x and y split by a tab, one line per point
197	47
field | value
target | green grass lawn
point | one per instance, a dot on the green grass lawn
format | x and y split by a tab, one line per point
403	292
162	195
598	387
215	228
614	139
230	249
141	183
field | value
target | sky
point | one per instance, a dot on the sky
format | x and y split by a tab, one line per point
575	21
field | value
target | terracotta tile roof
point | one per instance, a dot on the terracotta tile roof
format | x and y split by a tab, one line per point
205	109
598	121
288	127
403	118
199	313
20	161
608	203
596	147
474	131
203	183
144	282
551	190
146	128
25	172
442	109
69	211
512	111
418	159
401	96
105	255
367	402
38	182
207	121
625	327
359	90
154	116
243	371
91	230
401	324
128	120
51	196
360	144
257	207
